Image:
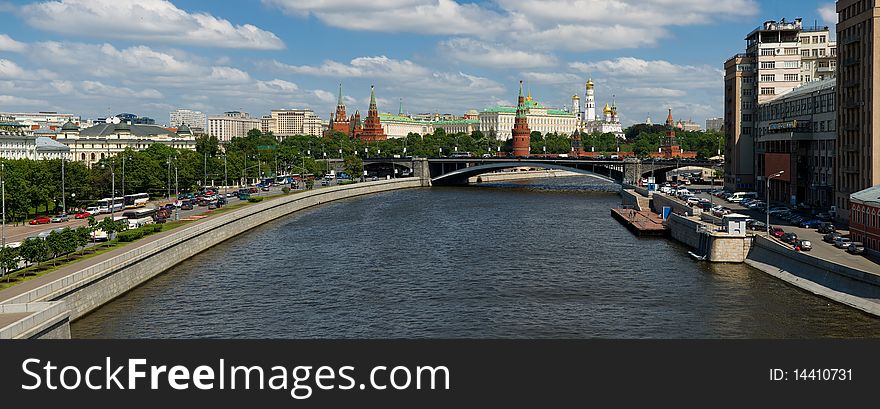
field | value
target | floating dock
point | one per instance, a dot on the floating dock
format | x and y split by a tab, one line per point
641	223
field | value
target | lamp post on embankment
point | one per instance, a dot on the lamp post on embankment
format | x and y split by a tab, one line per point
775	175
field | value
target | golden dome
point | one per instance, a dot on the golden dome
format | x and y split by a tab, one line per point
590	83
607	109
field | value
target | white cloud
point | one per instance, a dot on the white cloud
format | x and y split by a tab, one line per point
229	75
105	60
828	12
11	70
276	85
8	44
324	96
493	55
657	71
370	67
652	92
145	20
14	101
551	77
399	16
103	90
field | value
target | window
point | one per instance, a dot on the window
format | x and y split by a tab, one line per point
768	91
768	65
791	51
793	64
768	51
805	53
768	77
821	39
791	77
805	40
821	52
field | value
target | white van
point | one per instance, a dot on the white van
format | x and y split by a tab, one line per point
740	196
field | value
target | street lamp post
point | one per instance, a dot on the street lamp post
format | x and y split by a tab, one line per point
3	188
123	173
767	197
63	196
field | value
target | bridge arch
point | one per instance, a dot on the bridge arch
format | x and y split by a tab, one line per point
460	176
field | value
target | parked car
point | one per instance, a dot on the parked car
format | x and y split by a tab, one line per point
757	225
82	215
856	247
265	188
826	228
61	218
830	237
693	200
842	242
811	224
40	220
777	232
796	220
805	245
253	190
186	206
790	238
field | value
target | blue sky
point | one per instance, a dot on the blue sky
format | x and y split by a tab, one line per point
148	57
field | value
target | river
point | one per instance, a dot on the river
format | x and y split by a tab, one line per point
531	259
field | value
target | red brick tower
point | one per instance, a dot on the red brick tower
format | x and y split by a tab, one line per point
521	131
355	125
372	127
339	122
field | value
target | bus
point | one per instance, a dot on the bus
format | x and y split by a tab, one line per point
136	200
104	204
139	213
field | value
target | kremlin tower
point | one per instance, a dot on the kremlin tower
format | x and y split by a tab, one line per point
589	102
372	130
521	132
670	148
338	121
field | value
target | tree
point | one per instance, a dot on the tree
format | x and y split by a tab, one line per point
9	259
207	144
55	245
34	250
353	166
69	241
111	227
83	236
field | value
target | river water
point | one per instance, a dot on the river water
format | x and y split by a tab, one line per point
531	259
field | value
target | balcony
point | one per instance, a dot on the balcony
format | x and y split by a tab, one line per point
825	69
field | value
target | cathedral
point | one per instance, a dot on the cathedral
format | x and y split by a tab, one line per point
609	122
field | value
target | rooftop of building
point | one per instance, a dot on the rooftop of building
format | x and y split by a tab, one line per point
105	129
49	144
810	87
870	196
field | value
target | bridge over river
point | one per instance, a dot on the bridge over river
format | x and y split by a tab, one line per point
456	171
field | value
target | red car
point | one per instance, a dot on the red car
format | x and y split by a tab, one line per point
82	215
777	232
41	220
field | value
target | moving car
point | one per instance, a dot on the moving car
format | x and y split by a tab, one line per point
826	228
40	220
790	238
856	247
811	224
186	206
82	215
61	218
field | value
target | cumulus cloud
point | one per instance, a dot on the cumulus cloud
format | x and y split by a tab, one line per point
8	44
100	89
371	67
14	101
145	20
11	70
494	55
551	77
828	13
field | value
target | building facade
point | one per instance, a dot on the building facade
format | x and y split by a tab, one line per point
290	122
714	124
796	133
818	54
92	144
21	145
772	65
858	131
195	120
864	218
37	120
232	124
499	121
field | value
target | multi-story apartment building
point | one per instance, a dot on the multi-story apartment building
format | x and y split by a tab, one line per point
714	124
289	122
796	133
232	124
739	105
858	78
818	54
37	120
771	66
195	120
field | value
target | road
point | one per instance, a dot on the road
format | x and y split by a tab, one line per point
820	249
22	232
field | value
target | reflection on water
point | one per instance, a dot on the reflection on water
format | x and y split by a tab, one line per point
534	259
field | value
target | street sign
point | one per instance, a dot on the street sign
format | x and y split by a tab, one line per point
666	212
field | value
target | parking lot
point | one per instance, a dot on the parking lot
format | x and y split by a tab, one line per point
821	249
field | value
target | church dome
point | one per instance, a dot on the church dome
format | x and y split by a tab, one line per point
607	109
69	126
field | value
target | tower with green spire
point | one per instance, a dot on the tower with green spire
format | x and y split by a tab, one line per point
521	131
338	121
372	130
